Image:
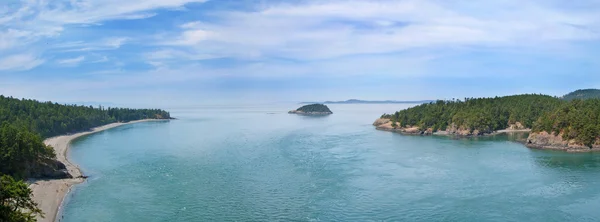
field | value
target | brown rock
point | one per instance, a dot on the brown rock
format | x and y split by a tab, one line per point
516	126
381	121
412	130
545	140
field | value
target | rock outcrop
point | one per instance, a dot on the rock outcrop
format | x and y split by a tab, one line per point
50	169
452	129
388	125
516	126
381	121
545	140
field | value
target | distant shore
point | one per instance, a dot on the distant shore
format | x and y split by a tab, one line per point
49	194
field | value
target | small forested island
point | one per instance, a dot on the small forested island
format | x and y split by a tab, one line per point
313	109
24	124
553	123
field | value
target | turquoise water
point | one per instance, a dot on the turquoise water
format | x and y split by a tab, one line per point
262	164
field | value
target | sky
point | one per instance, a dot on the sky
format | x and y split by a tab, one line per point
189	52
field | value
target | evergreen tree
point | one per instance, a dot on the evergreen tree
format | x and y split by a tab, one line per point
482	114
52	119
577	120
16	204
24	124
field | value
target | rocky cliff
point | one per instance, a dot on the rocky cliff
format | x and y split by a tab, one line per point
545	140
48	169
388	125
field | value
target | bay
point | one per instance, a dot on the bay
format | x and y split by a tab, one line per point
258	163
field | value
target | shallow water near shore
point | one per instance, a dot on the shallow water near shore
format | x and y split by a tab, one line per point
258	163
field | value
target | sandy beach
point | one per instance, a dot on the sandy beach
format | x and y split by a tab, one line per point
49	194
513	131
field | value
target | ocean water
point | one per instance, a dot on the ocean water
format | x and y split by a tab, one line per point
258	163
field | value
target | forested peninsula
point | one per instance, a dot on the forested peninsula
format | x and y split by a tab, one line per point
24	124
565	123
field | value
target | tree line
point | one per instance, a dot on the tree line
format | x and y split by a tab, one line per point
577	120
574	119
52	119
24	124
482	114
582	94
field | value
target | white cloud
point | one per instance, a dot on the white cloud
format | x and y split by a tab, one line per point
107	72
101	60
329	29
88	11
191	25
25	24
72	61
115	42
111	43
12	37
170	54
19	62
192	35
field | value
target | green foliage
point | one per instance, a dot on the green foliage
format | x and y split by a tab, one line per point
21	151
23	154
16	204
576	119
583	94
26	122
52	119
482	114
314	108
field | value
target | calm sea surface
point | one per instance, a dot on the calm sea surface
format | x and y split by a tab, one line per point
258	163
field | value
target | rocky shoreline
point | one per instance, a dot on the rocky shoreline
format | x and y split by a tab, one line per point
547	141
309	113
387	125
535	140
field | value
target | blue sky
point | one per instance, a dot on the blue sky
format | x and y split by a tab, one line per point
187	52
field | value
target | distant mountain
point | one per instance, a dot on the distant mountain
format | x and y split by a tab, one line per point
357	101
582	94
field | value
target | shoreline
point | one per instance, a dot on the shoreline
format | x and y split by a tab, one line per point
562	149
444	133
50	193
526	143
387	125
550	141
